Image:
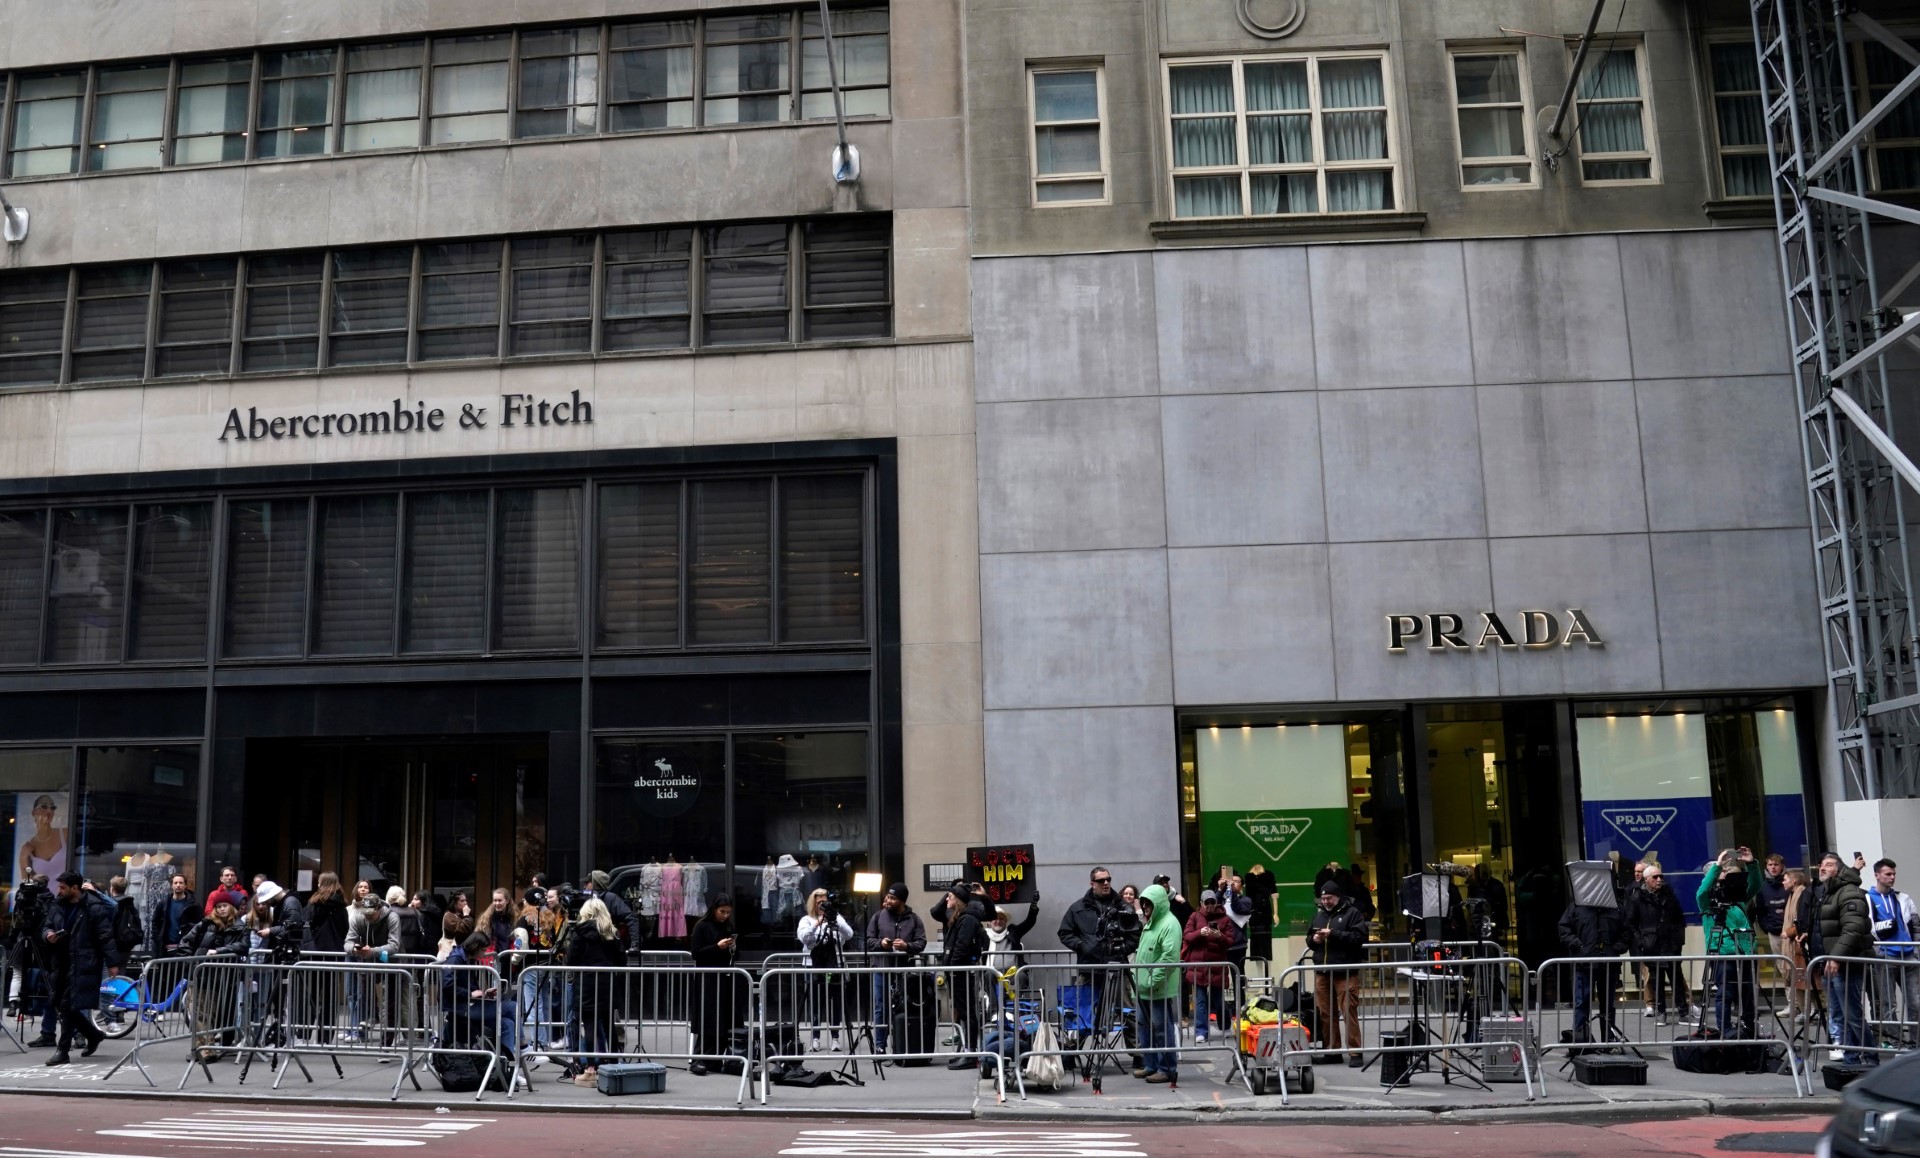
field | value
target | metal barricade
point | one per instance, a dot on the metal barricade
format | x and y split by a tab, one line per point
151	1008
1872	1008
277	1012
1401	952
1098	1017
676	1012
876	1014
1734	1007
1455	1017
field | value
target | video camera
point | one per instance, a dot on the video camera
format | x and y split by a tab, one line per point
1118	932
32	903
284	945
830	907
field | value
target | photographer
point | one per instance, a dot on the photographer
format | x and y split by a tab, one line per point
824	934
895	937
966	945
627	925
1728	892
1102	929
1591	931
284	932
31	904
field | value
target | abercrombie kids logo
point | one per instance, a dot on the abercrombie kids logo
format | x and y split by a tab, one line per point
1640	826
1445	631
516	410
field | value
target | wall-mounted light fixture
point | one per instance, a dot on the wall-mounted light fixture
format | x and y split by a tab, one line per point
13	222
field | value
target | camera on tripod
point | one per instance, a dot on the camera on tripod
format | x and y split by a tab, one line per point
283	944
1118	932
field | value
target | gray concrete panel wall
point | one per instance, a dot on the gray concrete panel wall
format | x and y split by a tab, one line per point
1346	432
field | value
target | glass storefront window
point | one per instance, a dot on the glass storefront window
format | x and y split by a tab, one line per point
34	802
800	805
138	817
1677	781
661	804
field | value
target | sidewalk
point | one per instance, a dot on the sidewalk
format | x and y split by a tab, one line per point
1205	1090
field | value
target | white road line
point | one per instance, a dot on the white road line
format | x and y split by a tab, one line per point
289	1128
964	1144
37	1152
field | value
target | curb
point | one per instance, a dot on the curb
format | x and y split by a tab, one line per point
521	1106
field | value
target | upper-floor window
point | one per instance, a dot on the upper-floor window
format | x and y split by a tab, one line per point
1281	134
620	77
1615	121
1739	123
1490	99
1894	155
1069	143
578	294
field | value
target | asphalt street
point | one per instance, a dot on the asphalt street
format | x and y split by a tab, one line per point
38	1126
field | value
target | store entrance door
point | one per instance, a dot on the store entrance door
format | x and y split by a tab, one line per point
443	817
1495	774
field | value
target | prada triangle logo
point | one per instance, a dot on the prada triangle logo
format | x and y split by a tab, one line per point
1640	826
1274	834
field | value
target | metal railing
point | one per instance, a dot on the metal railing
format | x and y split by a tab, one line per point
1872	1008
1098	1017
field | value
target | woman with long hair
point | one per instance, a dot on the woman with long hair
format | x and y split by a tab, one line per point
594	944
721	994
44	853
503	912
1793	933
319	995
823	940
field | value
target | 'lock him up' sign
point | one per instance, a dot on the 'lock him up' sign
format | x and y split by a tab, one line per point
1007	870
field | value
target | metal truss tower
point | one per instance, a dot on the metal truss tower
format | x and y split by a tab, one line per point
1841	323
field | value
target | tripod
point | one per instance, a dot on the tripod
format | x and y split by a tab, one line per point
267	1033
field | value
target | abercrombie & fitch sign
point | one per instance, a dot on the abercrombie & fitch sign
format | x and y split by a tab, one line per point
516	410
1445	631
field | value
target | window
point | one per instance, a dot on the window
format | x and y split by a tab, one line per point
46	123
135	804
860	36
1740	124
639	564
746	69
86	585
822	279
649	302
445	608
559	83
847	293
296	102
355	578
470	88
552	295
173	546
1267	136
746	298
1496	146
371	288
1069	148
460	300
110	333
33	321
282	330
1615	136
383	96
129	117
210	120
23	564
537	553
822	518
1895	152
650	81
730	567
196	317
266	607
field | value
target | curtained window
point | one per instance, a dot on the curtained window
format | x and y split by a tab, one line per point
1266	136
210	118
296	102
1616	144
47	109
383	96
129	114
1739	123
470	88
559	82
650	76
1496	149
747	79
860	58
1069	145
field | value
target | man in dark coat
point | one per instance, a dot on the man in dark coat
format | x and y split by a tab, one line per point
1846	930
1656	926
1591	931
1080	928
79	935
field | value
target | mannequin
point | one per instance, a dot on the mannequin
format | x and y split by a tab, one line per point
673	902
769	891
1263	891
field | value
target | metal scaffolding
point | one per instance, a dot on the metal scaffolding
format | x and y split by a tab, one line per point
1841	323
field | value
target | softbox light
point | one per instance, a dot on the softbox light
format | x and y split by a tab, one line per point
1591	883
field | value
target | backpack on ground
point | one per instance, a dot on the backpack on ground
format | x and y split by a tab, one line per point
1701	1053
127	933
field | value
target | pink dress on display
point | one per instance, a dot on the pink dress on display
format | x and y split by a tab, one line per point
673	908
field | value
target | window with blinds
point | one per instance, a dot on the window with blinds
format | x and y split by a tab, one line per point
23	564
537	590
86	584
371	290
639	565
282	329
266	607
33	323
848	288
730	567
110	334
822	558
357	557
446	583
196	317
552	288
746	299
172	553
460	300
649	303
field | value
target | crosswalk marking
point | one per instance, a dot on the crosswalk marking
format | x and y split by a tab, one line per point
964	1144
289	1128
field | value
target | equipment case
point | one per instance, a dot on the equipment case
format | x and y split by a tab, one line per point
1599	1069
632	1078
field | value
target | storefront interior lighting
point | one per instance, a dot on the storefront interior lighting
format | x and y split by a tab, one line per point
867	883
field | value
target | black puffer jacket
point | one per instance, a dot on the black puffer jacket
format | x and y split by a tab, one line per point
1346	939
208	939
1846	917
85	950
1656	925
1080	927
1589	932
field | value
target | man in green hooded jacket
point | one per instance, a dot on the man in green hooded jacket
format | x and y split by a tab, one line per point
1726	898
1158	988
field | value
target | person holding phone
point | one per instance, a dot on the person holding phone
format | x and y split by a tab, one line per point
80	944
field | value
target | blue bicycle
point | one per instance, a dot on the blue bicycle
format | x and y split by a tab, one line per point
125	1003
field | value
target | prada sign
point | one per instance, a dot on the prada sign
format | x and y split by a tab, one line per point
1445	631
